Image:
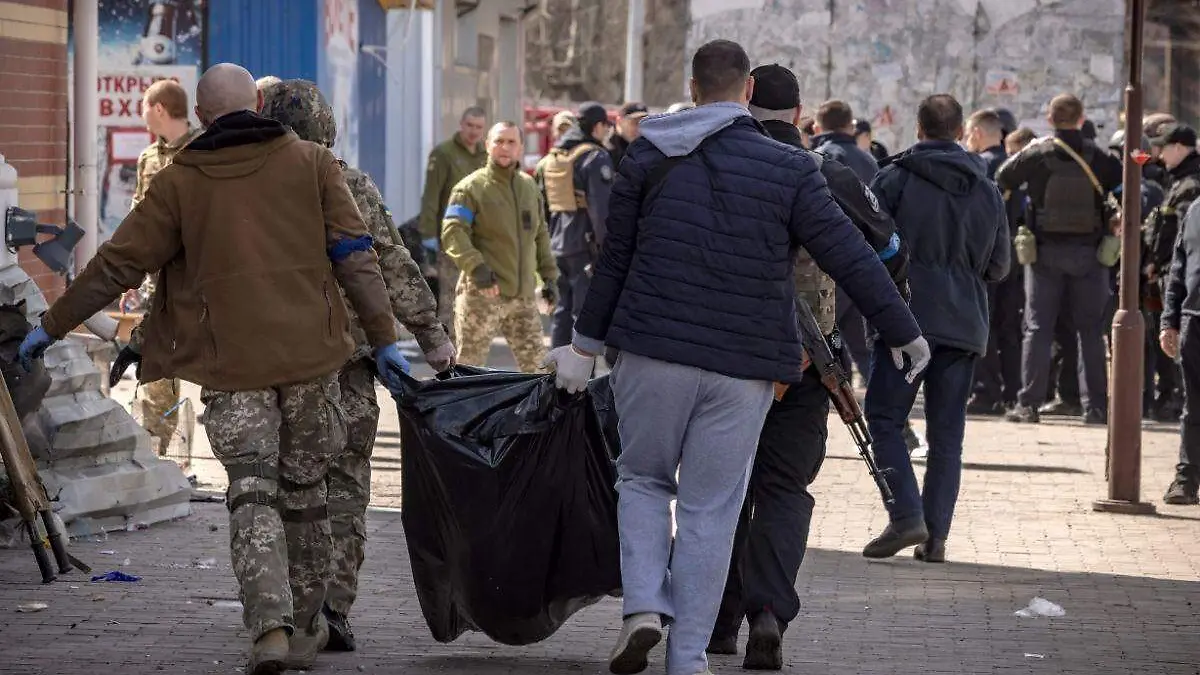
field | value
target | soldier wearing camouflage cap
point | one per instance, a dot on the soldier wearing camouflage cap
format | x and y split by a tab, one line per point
300	105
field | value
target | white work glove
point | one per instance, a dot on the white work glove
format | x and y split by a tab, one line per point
442	358
572	368
918	354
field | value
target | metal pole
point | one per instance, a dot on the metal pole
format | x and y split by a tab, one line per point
86	31
634	63
1128	332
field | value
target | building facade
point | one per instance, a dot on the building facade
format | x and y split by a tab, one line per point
884	56
33	118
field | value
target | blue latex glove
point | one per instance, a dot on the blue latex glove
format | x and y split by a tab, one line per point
33	347
390	364
430	243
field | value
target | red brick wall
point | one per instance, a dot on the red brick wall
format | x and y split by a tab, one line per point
33	114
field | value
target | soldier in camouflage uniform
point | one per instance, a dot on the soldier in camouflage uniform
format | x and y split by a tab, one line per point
300	105
252	229
772	533
165	111
495	232
449	163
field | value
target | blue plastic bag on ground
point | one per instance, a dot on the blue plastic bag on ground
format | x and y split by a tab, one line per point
509	507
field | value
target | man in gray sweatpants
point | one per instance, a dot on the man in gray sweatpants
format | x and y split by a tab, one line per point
694	287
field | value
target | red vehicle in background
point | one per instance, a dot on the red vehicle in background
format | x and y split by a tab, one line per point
538	136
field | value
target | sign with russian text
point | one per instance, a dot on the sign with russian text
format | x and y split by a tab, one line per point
121	91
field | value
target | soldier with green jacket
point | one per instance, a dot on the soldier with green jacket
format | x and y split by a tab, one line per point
495	232
449	163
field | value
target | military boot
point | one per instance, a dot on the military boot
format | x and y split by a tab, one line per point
305	645
269	653
341	637
764	650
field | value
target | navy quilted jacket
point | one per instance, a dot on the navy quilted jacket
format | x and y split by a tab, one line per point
701	275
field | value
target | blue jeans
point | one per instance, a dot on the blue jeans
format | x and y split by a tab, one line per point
947	382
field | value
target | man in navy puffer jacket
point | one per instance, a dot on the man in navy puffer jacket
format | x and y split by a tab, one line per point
956	226
694	287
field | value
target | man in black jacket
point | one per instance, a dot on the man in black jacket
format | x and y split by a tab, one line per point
998	374
955	223
1182	302
772	532
1180	338
836	139
627	129
695	287
1069	219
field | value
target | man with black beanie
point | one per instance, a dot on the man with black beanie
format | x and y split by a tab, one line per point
772	531
576	179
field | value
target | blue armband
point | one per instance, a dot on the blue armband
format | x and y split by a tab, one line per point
461	212
892	249
343	248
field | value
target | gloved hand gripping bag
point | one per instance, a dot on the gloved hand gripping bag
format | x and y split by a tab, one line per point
509	507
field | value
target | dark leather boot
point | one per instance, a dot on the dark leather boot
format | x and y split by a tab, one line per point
341	637
933	550
894	540
764	649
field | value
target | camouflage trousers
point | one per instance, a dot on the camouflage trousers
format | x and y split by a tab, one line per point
349	484
276	445
161	398
477	319
447	282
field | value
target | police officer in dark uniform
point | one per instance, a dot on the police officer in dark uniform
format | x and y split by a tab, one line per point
772	532
1176	149
576	180
1069	217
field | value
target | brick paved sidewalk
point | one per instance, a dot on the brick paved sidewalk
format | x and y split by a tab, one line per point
1024	528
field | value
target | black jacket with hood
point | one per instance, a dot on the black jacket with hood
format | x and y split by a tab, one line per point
955	223
844	149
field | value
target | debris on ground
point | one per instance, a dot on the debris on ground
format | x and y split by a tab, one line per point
1040	607
116	576
27	607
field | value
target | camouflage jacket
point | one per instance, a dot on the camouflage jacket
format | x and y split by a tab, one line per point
817	289
412	301
157	156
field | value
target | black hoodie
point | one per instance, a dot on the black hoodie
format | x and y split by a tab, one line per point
237	128
956	227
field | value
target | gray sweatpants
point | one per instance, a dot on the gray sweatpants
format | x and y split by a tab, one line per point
705	427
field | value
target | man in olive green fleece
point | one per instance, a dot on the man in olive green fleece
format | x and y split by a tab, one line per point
449	163
495	232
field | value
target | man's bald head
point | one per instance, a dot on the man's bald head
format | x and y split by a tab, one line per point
225	88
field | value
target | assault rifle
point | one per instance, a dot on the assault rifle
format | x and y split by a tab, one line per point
30	495
840	393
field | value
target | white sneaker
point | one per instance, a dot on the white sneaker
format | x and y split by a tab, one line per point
639	634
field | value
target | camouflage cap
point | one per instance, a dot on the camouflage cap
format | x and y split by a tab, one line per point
300	105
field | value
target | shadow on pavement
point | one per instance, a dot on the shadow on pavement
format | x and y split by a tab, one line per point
857	616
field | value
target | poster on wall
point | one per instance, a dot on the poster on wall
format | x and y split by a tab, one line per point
140	42
339	73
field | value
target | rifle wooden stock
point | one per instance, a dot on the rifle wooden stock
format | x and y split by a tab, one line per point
28	491
18	461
